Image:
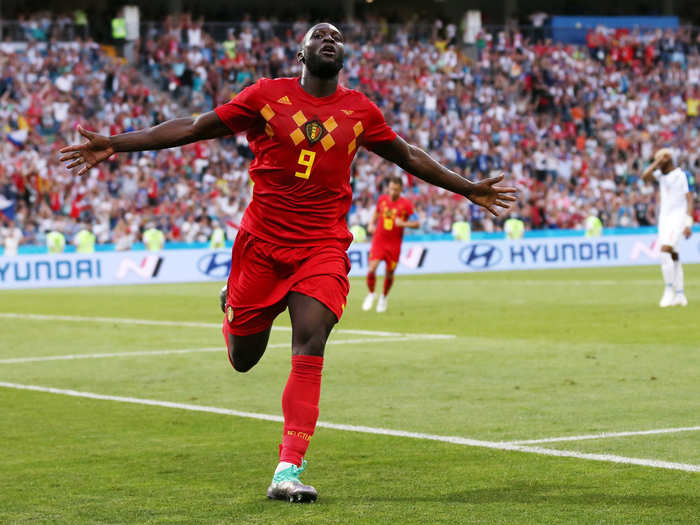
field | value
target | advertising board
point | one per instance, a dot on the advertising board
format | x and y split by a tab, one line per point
170	266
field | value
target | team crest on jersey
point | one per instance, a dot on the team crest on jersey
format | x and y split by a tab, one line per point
229	314
314	131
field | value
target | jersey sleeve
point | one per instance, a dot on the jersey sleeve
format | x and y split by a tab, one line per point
377	130
656	174
242	112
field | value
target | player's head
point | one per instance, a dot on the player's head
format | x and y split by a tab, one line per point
395	187
322	50
665	158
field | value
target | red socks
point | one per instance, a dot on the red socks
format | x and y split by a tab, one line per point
388	281
371	281
300	406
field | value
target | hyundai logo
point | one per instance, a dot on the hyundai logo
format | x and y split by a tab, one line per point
480	256
216	265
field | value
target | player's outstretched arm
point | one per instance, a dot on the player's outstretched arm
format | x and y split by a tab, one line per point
407	223
417	162
171	133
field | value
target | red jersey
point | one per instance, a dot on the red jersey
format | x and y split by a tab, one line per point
303	148
387	233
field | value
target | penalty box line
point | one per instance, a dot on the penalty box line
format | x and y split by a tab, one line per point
196	324
456	440
222	349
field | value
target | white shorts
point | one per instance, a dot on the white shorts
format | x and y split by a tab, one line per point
671	230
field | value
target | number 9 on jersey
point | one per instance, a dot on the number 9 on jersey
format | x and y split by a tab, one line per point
306	158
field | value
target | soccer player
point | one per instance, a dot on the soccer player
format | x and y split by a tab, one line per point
675	219
389	218
291	248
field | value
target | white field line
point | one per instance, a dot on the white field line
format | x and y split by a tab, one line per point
643	462
194	324
370	430
68	357
222	349
604	435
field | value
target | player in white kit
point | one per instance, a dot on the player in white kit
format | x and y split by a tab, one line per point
675	219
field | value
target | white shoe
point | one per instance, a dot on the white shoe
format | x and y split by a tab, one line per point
369	301
381	304
679	299
667	298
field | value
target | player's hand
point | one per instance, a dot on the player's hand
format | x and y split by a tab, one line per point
687	232
88	154
399	222
486	194
370	228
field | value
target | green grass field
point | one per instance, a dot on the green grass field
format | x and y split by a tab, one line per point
536	355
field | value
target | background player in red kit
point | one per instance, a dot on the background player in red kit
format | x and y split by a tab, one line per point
389	218
291	249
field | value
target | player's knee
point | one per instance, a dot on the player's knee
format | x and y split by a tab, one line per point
242	367
238	363
244	352
311	344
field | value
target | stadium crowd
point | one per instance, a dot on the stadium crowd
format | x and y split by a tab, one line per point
573	126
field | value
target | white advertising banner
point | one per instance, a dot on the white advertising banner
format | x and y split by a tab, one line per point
137	267
170	266
527	254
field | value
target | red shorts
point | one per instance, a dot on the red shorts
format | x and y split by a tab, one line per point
389	253
263	274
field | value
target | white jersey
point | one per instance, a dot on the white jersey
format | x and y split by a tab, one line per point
674	190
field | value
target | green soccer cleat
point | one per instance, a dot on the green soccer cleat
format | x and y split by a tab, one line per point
286	485
222	299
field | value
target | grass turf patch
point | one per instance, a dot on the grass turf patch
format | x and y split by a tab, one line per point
536	354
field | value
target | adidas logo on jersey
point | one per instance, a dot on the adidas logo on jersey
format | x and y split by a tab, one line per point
284	100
